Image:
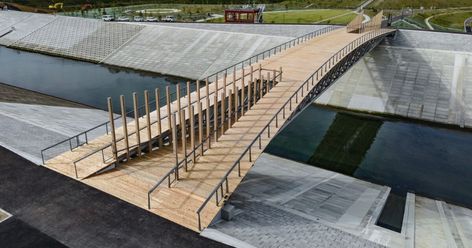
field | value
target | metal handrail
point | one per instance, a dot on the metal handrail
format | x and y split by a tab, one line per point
276	49
323	69
295	41
187	155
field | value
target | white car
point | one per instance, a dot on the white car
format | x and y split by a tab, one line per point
138	19
168	19
123	19
151	19
107	18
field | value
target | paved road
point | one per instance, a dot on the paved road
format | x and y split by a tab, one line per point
77	215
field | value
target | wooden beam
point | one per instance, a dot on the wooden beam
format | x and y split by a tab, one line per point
249	88
223	112
179	110
207	109
112	125
148	120
215	118
175	145
200	117
169	109
189	98
158	113
254	89
192	131
230	107
243	88
124	125
136	122
183	132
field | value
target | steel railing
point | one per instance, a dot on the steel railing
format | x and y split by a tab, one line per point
212	78
271	51
193	152
223	185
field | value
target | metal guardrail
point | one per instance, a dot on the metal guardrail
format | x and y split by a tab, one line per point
201	146
271	51
253	59
316	75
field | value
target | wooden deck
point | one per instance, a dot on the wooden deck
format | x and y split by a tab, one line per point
132	180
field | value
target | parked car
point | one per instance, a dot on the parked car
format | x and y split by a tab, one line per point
151	19
168	19
123	19
107	18
138	19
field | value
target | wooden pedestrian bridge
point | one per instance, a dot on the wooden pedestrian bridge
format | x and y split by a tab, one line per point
182	155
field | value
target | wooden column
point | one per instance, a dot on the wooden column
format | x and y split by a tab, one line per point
192	131
136	121
255	89
260	78
179	110
249	88
207	109
223	112
262	86
215	117
158	116
189	98
280	77
200	117
175	146
124	125
183	132
112	125
224	82
169	110
267	84
148	120
235	93
230	107
274	74
243	87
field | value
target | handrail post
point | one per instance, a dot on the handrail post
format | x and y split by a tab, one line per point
175	144
113	134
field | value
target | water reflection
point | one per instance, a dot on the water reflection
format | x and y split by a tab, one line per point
78	81
407	156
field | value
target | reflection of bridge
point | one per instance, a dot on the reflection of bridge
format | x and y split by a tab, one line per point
192	153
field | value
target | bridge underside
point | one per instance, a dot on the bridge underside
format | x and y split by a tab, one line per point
308	69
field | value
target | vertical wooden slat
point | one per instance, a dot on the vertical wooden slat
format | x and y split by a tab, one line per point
262	86
158	116
260	78
169	110
267	84
200	117
223	112
224	82
243	87
189	98
230	107
192	131
207	109
235	93
274	73
124	124
112	125
249	89
136	123
148	120
254	90
183	132
173	118
179	110
215	117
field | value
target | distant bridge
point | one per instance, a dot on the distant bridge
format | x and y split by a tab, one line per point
184	159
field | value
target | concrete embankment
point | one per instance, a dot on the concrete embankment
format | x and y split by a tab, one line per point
417	74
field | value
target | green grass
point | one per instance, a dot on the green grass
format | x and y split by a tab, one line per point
306	16
453	20
427	4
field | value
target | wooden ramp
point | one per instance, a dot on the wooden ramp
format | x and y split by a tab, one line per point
214	175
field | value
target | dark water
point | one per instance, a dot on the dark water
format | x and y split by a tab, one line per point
409	157
78	81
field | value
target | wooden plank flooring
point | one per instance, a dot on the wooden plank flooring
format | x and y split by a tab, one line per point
131	181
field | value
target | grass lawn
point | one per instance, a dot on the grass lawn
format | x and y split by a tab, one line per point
453	20
306	16
427	4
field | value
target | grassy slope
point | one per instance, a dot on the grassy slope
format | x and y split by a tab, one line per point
454	20
302	16
427	4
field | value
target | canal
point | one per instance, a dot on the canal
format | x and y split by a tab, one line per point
407	156
78	81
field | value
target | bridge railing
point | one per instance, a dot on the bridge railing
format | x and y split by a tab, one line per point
222	187
270	52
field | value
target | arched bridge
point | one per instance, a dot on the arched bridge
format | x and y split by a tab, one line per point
184	159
